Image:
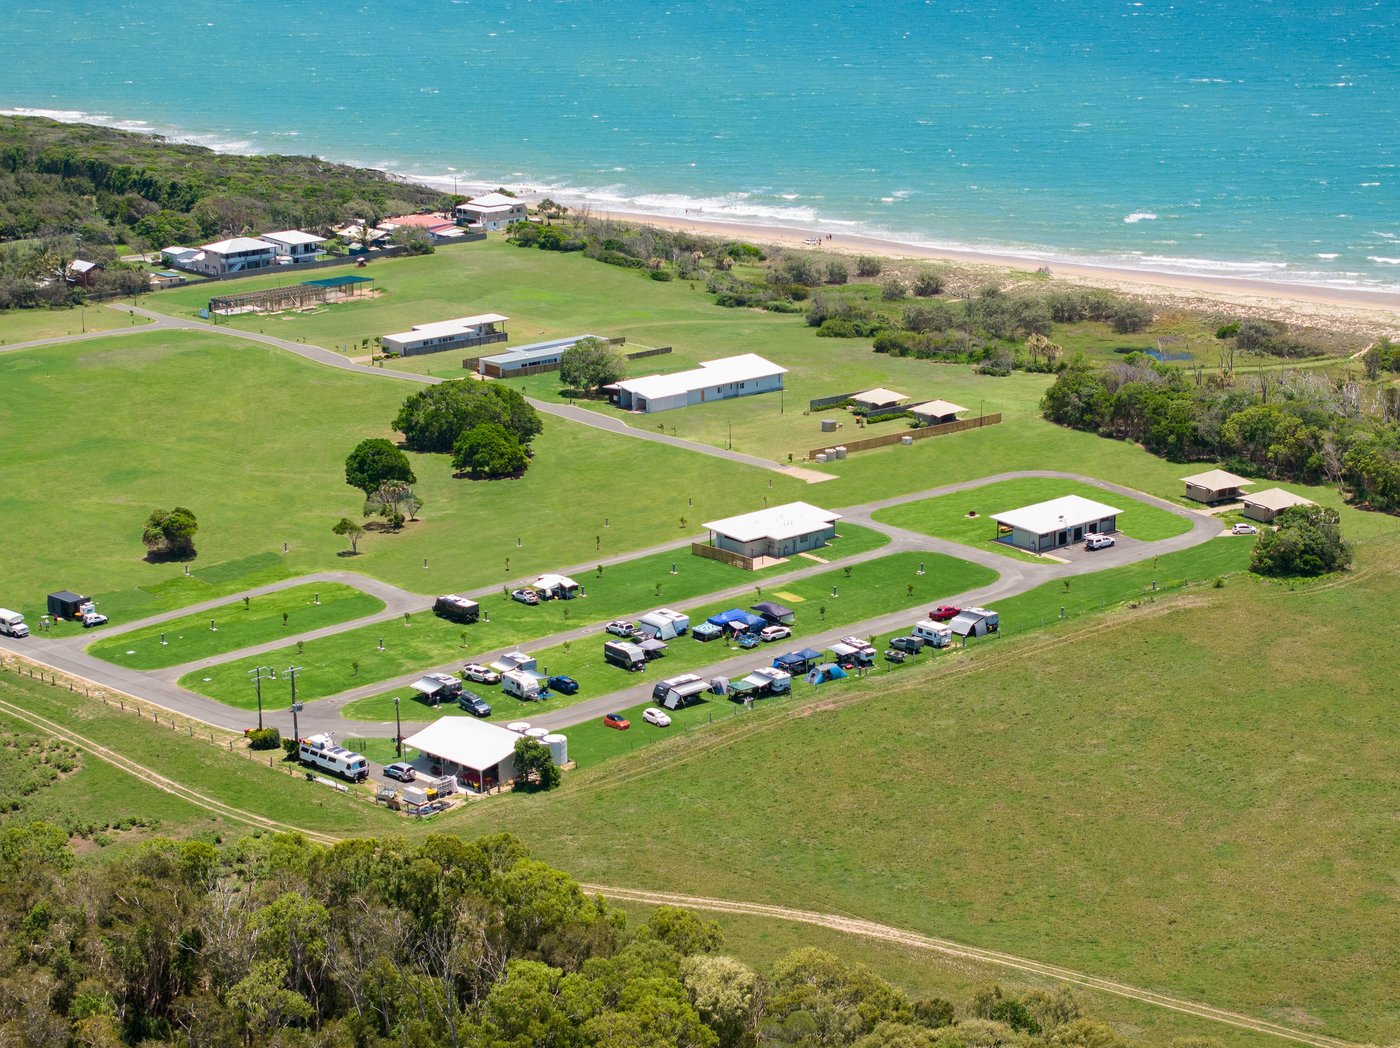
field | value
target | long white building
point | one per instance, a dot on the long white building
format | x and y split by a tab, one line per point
722	379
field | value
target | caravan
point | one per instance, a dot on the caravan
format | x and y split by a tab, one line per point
319	751
625	654
975	622
676	692
522	684
663	625
760	684
457	609
935	634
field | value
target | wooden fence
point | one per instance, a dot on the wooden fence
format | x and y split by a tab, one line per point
704	549
867	443
826	402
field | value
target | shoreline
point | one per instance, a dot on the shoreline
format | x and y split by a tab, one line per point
1300	303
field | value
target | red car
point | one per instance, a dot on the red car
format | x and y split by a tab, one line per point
944	612
616	720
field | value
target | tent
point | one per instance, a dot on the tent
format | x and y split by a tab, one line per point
798	662
775	613
825	672
724	618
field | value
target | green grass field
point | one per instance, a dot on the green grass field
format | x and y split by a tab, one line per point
871	589
284	613
1147	796
28	325
622	590
947	516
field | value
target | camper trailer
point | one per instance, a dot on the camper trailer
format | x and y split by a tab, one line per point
438	687
937	634
662	626
514	660
974	622
852	652
762	683
681	619
457	609
556	587
676	692
319	751
521	684
625	654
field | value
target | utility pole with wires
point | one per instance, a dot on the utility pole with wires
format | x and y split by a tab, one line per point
256	676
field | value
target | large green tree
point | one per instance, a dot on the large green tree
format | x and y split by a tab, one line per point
375	460
169	534
1308	541
433	418
487	451
591	363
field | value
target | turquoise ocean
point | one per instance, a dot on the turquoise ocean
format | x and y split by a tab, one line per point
1248	138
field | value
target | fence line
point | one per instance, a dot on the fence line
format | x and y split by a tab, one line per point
923	432
704	549
826	402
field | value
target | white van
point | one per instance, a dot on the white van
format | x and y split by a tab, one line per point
320	752
12	623
938	634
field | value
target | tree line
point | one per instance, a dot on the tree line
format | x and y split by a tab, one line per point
275	940
1297	425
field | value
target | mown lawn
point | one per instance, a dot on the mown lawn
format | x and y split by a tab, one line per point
237	625
623	590
965	516
1196	795
871	589
28	325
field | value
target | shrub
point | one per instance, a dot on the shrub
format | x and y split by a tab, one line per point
837	327
868	266
264	739
662	274
929	282
1130	315
836	272
617	258
892	289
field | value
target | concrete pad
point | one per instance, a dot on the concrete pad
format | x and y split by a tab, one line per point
811	476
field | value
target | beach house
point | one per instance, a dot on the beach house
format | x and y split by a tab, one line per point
294	245
490	211
723	379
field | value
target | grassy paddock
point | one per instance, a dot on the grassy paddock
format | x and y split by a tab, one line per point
628	588
1148	798
238	626
28	325
872	588
946	516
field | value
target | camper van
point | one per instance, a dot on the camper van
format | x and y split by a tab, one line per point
625	654
675	692
319	751
937	634
521	684
12	623
457	609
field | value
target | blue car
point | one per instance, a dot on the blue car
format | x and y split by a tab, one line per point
748	640
563	685
473	704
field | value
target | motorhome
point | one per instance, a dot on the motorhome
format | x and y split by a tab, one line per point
625	654
319	751
675	692
521	684
457	609
937	634
12	623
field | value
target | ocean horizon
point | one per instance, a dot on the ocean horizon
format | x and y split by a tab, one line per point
1197	138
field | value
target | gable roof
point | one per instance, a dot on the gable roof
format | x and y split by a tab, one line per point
493	200
878	397
937	408
293	237
235	244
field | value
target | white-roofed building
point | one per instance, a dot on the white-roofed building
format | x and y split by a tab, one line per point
295	245
1268	504
936	412
479	754
880	397
235	255
462	333
1058	522
490	211
723	379
1214	486
777	532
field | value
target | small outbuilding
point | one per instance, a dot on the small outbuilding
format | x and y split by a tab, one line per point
880	397
936	412
479	754
533	359
1268	504
65	604
1216	485
777	532
1056	523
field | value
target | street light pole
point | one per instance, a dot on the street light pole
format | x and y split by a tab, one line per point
398	730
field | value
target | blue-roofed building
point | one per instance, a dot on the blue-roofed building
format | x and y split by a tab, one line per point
528	360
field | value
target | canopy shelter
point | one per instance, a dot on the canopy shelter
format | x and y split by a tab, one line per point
653	647
937	412
477	752
775	613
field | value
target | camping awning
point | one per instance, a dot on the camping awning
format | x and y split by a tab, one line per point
428	685
809	653
842	649
652	644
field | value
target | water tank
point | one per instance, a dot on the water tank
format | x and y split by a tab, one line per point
907	441
558	749
537	734
841	452
519	727
828	425
831	454
821	458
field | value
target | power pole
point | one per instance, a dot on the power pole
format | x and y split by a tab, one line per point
292	672
257	678
398	730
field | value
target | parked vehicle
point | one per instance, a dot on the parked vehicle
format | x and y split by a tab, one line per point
616	720
625	655
319	751
675	692
893	655
563	685
473	704
93	618
761	683
943	613
771	633
912	645
12	623
401	770
747	640
621	628
934	634
479	674
706	632
654	716
522	684
1244	529
663	624
525	596
457	609
1099	542
438	687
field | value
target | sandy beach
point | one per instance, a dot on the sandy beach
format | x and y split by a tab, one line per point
1335	309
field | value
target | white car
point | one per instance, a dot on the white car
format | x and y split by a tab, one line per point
775	633
1099	542
1244	529
658	717
474	671
620	628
